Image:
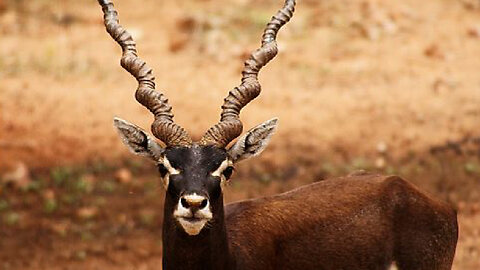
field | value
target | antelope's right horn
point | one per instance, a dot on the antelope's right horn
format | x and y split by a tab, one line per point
163	126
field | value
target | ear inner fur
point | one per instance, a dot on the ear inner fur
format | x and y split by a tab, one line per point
254	141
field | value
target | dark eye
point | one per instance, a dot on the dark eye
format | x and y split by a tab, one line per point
162	170
228	172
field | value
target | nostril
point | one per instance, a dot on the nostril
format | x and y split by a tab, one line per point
184	203
203	204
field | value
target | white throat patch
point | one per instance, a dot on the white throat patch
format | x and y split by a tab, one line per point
192	228
393	266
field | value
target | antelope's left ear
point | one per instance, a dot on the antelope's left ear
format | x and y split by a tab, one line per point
254	141
137	140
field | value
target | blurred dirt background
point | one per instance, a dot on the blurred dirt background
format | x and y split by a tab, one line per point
386	86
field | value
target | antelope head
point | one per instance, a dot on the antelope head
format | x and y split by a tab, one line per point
194	173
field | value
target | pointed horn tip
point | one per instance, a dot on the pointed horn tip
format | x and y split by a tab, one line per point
104	2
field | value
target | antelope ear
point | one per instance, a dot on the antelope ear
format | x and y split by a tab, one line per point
254	141
137	140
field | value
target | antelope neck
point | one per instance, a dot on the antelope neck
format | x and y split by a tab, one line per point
207	250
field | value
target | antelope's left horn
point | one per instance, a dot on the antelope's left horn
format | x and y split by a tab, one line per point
230	126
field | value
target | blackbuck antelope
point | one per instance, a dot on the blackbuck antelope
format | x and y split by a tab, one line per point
355	222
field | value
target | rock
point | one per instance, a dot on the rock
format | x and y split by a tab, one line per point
433	51
49	194
18	177
186	24
178	42
60	228
382	147
475	208
123	176
87	212
380	163
473	32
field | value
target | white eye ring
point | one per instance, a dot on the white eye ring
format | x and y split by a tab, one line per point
171	170
225	164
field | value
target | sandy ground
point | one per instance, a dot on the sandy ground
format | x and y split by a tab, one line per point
350	74
357	81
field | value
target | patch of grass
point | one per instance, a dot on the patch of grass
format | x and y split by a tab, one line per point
34	186
330	169
147	218
81	255
135	165
86	235
150	186
99	166
60	175
83	186
259	18
11	218
265	178
108	186
50	206
472	167
100	201
70	199
390	170
4	205
360	163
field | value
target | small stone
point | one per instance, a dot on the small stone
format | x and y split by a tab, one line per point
475	208
382	147
60	228
18	177
433	51
474	32
49	194
380	163
389	27
178	42
123	176
87	212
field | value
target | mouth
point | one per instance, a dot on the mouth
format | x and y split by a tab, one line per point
192	219
192	225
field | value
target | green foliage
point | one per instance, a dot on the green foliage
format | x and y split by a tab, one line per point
83	186
108	186
360	163
34	186
11	218
60	175
329	168
50	206
147	218
4	205
472	167
81	255
70	199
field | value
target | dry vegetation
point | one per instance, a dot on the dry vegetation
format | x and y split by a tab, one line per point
390	86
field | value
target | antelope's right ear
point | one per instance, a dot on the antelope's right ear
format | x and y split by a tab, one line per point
137	140
254	141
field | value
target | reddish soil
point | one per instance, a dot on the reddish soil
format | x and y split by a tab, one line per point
358	84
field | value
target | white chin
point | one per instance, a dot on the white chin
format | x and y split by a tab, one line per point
192	228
